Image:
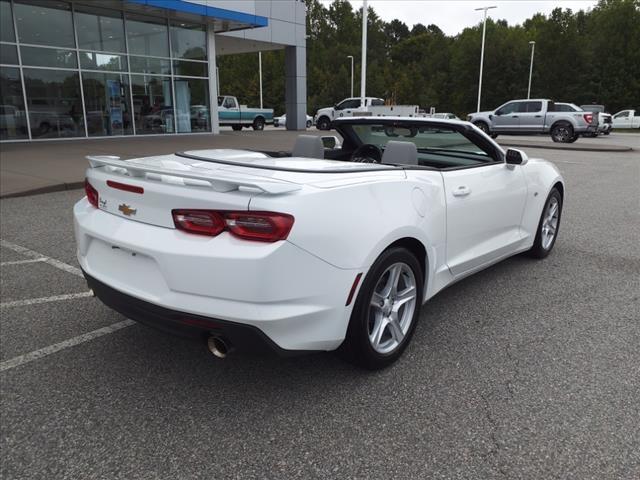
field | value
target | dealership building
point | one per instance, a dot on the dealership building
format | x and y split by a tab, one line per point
104	68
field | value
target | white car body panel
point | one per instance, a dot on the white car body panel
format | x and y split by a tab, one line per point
295	290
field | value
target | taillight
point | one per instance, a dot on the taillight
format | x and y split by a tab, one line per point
202	222
257	226
588	117
126	187
92	193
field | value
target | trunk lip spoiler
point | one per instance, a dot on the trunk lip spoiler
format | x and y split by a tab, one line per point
218	181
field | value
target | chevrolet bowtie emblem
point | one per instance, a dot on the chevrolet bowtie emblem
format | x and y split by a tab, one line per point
127	210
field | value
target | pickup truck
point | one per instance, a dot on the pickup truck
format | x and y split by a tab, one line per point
604	119
231	113
352	107
533	117
627	119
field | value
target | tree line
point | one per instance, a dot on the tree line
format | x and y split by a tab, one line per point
581	57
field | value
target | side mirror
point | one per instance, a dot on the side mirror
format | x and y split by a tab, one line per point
516	157
330	142
498	112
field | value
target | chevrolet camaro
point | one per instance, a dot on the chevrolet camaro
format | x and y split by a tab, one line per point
327	247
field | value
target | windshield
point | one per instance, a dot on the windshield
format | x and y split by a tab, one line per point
437	145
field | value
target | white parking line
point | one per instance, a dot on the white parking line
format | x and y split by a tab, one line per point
54	298
43	258
21	262
72	342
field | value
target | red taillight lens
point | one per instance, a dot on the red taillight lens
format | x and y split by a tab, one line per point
202	222
257	226
588	117
92	193
260	226
125	187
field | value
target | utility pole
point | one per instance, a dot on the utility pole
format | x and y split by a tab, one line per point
533	48
351	57
363	68
484	32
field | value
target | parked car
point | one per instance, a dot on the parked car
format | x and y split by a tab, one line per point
281	121
448	116
604	119
350	107
626	119
231	113
319	250
532	117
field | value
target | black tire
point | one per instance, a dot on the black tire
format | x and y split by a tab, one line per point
484	127
236	128
539	250
607	132
493	135
323	123
574	138
357	347
309	123
258	123
562	132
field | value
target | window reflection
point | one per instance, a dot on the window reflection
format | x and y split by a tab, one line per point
55	106
6	22
147	36
103	61
152	104
189	41
31	15
48	57
192	101
99	29
106	100
13	121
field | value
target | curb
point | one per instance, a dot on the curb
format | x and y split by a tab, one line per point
60	187
573	148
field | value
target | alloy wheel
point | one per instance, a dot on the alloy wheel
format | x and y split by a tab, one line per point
550	223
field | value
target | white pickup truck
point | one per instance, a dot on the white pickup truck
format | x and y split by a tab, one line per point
627	119
352	107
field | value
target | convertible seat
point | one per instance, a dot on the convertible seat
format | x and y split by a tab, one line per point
308	146
400	153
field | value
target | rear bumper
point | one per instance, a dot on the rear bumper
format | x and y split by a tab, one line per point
242	338
293	298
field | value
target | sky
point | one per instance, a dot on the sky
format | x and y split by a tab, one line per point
453	16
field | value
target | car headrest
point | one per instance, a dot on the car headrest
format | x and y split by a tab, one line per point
401	153
308	146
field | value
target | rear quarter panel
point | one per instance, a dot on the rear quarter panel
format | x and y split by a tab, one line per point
541	176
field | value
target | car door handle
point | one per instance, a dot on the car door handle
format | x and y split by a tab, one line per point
538	116
461	191
515	116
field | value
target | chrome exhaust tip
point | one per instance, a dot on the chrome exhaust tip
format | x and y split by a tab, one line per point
218	346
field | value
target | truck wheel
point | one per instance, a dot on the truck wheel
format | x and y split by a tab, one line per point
258	123
607	132
323	123
483	126
237	128
309	123
562	132
574	138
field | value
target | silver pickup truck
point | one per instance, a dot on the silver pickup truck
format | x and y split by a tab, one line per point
534	117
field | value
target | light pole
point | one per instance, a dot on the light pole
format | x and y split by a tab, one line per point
351	57
363	68
484	32
533	49
260	74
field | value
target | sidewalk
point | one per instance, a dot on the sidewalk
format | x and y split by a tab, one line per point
28	168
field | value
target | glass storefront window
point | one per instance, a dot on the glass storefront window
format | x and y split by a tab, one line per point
8	54
55	106
152	104
189	41
48	57
13	120
6	22
190	69
106	100
147	36
150	65
192	105
103	61
44	22
99	29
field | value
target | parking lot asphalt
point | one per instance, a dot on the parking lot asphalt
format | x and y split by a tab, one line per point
528	370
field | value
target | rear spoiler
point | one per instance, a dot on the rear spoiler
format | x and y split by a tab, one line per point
217	181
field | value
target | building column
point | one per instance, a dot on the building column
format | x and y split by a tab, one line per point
213	80
295	62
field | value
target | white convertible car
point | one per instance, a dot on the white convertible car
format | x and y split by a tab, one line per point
328	248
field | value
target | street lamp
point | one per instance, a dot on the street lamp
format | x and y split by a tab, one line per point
484	31
351	57
533	49
260	75
363	66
